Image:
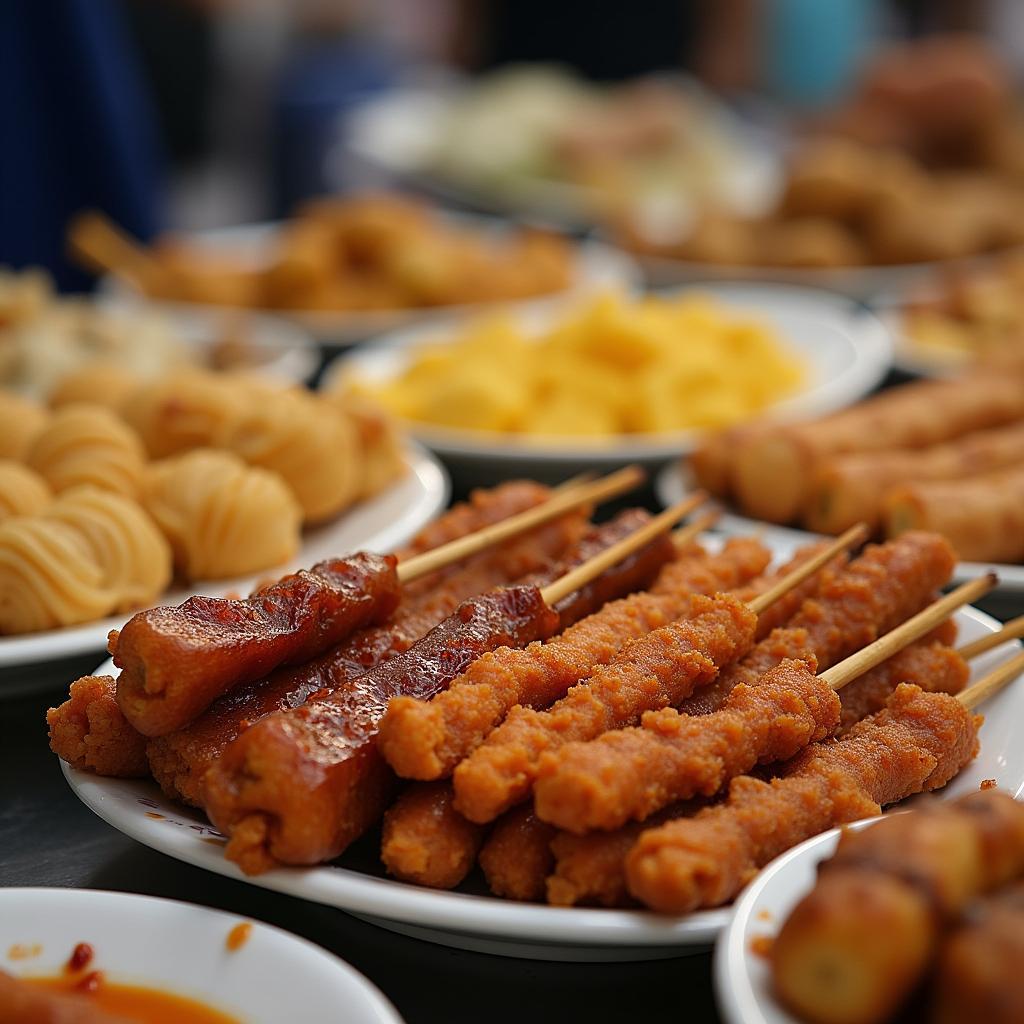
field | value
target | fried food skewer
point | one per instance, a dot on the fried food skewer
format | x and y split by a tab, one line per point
301	784
176	661
631	773
1012	630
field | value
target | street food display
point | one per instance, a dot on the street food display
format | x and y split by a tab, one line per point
594	714
374	252
942	455
930	899
614	366
196	476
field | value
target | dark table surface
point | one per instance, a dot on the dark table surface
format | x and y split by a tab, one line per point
48	838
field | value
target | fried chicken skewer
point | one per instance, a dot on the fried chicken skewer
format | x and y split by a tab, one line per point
300	785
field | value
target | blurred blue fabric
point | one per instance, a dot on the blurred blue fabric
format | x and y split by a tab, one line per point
77	130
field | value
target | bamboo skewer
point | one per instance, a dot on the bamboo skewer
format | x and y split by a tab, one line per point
851	538
1012	630
691	531
563	501
991	684
583	574
102	246
924	622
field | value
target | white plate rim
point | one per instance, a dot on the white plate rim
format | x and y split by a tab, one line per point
866	335
55	898
429	487
387	899
671	485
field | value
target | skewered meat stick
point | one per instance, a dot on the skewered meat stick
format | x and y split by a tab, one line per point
917	744
89	730
517	857
631	773
301	784
876	592
657	670
853	949
176	661
426	740
179	760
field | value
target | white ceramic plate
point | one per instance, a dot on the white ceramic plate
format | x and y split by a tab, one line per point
674	483
180	948
598	266
471	921
846	349
380	524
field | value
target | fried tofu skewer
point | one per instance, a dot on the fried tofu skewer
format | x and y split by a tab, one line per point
175	661
631	773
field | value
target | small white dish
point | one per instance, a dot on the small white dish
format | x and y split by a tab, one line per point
673	483
846	348
469	920
182	949
381	524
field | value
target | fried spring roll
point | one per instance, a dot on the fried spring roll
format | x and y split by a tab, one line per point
848	489
774	468
983	516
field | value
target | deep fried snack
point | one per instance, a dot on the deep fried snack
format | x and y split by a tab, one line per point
631	773
979	967
21	421
89	732
22	1003
22	491
875	593
427	740
517	857
299	786
425	840
853	949
656	670
176	661
774	468
918	743
982	516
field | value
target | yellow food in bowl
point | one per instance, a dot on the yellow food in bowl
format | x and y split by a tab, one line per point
615	366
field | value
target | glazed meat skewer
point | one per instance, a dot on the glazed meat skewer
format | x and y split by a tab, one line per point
175	661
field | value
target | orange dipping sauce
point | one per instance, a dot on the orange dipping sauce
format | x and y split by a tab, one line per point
145	1005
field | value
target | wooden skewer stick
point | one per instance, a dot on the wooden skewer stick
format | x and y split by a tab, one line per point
924	622
583	574
855	535
1013	630
599	490
991	684
102	246
690	531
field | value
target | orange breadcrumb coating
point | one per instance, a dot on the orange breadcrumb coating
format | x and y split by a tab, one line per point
517	857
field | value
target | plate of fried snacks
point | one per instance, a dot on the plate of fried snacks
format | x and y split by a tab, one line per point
347	269
45	338
618	378
546	750
944	455
193	482
915	916
111	957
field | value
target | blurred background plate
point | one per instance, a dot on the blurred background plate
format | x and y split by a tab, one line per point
674	482
846	348
383	523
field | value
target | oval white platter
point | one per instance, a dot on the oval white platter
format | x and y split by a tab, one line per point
846	348
380	524
597	266
480	922
181	948
674	483
742	976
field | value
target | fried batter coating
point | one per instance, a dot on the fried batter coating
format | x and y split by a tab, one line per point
918	743
89	731
631	773
426	841
517	857
656	670
875	593
427	740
